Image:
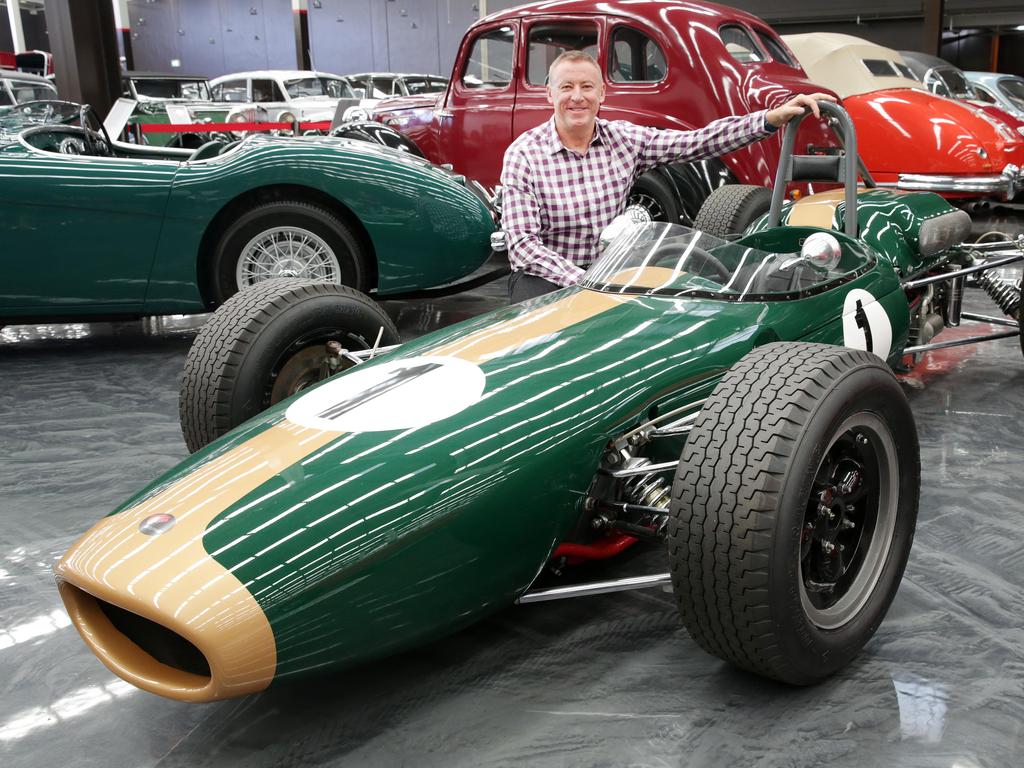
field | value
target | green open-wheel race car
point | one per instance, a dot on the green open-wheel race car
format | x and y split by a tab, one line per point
733	399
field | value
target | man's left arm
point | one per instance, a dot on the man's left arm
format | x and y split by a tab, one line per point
724	135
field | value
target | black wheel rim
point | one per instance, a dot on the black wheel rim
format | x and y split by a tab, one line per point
849	521
301	363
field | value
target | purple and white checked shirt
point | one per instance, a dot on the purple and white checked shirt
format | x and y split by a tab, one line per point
556	202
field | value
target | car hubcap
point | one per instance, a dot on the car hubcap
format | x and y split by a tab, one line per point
653	206
849	522
287	252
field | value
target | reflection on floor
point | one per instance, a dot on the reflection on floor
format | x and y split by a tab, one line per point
89	414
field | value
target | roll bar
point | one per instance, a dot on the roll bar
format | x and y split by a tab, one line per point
821	168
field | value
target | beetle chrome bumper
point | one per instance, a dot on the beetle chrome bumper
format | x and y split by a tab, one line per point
1002	185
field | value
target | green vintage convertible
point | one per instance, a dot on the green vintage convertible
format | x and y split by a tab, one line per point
93	227
428	485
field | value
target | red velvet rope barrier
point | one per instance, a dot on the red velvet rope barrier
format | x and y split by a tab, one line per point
323	125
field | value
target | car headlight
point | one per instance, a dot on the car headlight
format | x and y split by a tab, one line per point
286	117
355	113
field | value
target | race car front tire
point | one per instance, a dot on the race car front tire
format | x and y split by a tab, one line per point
266	343
793	510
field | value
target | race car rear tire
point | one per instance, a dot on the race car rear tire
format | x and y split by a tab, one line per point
731	208
793	510
333	254
266	343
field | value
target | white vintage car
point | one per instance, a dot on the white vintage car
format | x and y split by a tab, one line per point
281	96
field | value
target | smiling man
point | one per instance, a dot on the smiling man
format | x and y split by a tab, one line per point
565	180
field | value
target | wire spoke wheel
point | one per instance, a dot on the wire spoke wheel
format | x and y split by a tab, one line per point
287	252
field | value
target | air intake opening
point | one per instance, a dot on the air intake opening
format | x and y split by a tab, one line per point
158	641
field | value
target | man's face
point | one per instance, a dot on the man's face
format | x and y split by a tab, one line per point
576	92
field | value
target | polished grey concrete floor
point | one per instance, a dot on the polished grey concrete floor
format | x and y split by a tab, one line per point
89	413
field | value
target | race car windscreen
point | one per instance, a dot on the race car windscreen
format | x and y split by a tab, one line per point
661	259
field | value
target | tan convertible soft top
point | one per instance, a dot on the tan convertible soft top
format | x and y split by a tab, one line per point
838	62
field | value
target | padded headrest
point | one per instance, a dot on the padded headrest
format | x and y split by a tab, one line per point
943	231
816	168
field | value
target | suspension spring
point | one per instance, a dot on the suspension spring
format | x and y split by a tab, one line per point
1005	293
650	490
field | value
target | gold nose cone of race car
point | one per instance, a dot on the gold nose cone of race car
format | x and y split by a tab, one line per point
153	604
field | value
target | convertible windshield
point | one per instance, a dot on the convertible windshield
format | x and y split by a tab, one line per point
13	120
331	87
23	91
660	259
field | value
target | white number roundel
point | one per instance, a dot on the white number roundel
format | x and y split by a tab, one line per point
866	324
402	394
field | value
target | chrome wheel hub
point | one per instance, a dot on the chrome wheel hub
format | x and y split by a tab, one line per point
287	252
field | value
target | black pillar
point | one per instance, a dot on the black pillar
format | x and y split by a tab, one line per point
85	51
302	37
932	32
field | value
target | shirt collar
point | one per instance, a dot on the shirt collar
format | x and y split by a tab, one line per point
555	143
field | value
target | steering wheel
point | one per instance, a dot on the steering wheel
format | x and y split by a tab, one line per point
97	143
698	260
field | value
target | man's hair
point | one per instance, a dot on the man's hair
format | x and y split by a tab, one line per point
569	57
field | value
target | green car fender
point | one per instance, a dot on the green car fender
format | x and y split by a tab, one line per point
423	224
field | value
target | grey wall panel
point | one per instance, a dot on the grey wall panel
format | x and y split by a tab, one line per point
155	38
279	35
244	45
341	35
202	44
379	37
413	44
453	19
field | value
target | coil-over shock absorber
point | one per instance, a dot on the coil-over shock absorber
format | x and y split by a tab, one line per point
651	490
1005	293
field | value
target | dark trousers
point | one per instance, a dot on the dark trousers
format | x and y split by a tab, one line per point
522	286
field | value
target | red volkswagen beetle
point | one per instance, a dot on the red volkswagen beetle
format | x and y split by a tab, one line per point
910	138
670	64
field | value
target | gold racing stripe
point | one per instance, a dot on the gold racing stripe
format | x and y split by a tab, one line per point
490	342
171	579
816	210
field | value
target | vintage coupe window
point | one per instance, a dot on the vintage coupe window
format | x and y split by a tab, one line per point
635	58
1014	91
886	68
982	95
266	90
948	82
231	90
774	47
192	90
548	41
417	85
740	44
317	86
490	61
662	259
